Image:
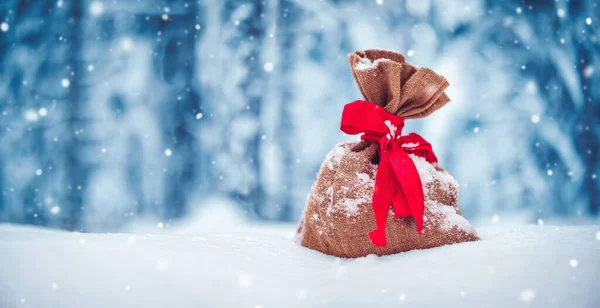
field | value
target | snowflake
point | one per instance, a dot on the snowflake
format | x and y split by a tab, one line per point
126	44
495	219
535	119
31	116
268	66
573	262
527	295
96	8
65	83
245	280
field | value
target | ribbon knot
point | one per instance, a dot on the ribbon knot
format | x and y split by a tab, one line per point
397	182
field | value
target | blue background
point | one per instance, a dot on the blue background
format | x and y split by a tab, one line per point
112	112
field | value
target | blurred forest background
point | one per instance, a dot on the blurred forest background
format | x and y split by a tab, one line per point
113	111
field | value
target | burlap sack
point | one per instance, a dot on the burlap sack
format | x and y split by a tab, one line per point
338	217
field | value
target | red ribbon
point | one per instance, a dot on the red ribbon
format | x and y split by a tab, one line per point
397	181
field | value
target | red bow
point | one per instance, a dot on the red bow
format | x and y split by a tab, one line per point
397	181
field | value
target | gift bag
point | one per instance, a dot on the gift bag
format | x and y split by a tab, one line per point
386	193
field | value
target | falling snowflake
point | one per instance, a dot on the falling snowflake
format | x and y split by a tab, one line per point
126	44
4	27
245	280
588	71
495	219
268	66
65	83
96	8
573	262
31	116
527	295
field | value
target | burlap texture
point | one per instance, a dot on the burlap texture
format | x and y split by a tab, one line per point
398	86
338	216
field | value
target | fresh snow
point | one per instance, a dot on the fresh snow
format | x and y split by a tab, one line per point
367	64
410	145
365	179
451	217
242	265
352	206
335	156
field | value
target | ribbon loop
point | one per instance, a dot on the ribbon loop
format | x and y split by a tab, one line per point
397	181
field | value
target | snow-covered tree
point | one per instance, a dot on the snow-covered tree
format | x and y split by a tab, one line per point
231	72
42	128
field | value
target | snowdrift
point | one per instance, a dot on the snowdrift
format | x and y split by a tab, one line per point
529	266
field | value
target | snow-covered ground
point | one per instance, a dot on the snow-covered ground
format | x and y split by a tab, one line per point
247	266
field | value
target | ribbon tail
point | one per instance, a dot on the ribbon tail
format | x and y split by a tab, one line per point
382	200
410	198
400	204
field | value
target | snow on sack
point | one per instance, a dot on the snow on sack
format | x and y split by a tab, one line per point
339	216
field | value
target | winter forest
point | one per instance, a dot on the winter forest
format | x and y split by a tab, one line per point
119	111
